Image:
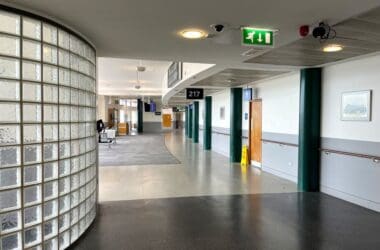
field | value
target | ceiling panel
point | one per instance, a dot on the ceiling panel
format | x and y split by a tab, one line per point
359	36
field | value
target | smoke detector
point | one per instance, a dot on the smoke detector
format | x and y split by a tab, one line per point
137	87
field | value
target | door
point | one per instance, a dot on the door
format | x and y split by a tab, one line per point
255	132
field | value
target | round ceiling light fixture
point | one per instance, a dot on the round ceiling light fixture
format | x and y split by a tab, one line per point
193	34
332	48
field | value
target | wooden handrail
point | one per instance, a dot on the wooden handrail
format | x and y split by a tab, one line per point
371	157
280	143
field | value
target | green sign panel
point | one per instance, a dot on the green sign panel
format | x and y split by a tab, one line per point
257	37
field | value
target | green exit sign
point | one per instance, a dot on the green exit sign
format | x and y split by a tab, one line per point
257	37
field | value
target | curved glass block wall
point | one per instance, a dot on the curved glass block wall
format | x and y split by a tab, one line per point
48	149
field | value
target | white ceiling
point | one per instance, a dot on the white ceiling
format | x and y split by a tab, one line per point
119	77
147	29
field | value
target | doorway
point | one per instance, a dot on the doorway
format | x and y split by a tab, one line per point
255	132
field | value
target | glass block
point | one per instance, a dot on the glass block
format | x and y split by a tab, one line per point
9	200
9	45
64	39
32	236
74	80
31	112
64	113
50	209
64	77
10	90
50	54
50	132
82	178
82	117
82	146
74	62
74	164
50	190
64	150
32	174
9	156
74	147
50	74
31	28
74	44
51	244
74	233
49	34
64	58
64	185
64	240
32	154
10	178
74	181
31	71
10	113
50	229
10	222
31	92
9	134
51	113
50	93
64	132
74	215
11	242
31	50
82	98
74	128
9	68
74	96
82	206
32	195
64	222
32	215
64	167
32	134
50	171
10	23
64	204
82	130
64	95
50	151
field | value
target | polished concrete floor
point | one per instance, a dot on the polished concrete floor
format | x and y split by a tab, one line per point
198	173
287	221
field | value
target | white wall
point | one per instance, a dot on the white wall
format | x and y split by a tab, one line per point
361	74
280	100
221	99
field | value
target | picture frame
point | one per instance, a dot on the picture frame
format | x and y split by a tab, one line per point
356	106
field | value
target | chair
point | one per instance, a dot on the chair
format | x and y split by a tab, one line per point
111	136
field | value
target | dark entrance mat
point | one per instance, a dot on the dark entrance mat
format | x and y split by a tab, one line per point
136	150
260	221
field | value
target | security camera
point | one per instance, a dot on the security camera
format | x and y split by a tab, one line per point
218	27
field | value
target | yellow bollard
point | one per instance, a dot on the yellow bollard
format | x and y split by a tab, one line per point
244	156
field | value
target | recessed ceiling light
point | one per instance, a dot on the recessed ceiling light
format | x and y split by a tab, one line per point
193	34
332	48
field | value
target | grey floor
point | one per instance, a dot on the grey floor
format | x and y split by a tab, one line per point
136	150
198	173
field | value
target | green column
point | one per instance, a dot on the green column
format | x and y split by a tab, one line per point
186	121
236	124
140	110
196	122
309	130
190	121
207	132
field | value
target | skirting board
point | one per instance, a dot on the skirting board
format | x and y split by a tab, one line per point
351	198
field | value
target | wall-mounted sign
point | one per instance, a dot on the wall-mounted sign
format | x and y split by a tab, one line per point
246	116
174	73
257	37
247	94
194	94
157	113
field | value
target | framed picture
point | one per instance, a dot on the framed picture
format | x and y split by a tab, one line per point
222	112
356	106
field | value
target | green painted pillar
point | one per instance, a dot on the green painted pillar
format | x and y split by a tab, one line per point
186	121
309	130
236	124
207	132
190	121
196	122
140	110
